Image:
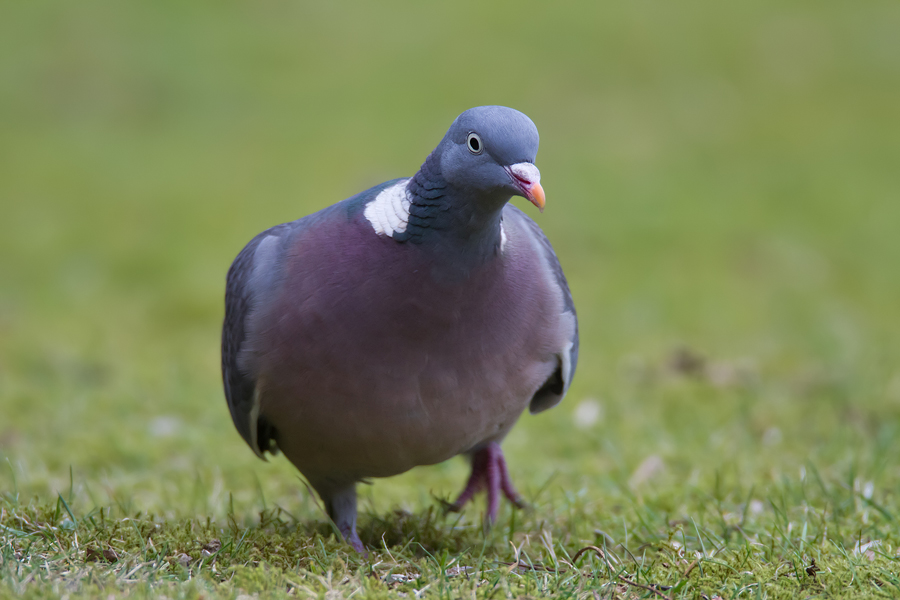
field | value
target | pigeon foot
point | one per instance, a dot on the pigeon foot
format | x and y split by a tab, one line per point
340	504
352	538
489	472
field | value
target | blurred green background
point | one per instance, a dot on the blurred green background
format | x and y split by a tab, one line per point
723	185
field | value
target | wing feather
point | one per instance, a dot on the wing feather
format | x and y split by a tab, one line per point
244	286
553	390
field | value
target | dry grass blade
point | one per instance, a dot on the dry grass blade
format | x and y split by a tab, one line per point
690	568
621	578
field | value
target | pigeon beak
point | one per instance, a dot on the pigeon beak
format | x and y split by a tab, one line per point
528	179
536	195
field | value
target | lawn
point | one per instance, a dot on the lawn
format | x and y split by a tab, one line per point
723	191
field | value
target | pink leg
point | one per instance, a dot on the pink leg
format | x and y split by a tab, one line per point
488	471
341	506
506	484
493	479
352	538
475	483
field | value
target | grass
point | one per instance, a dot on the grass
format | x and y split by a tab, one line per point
807	537
722	192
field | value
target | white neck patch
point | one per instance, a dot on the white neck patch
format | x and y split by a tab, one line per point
388	213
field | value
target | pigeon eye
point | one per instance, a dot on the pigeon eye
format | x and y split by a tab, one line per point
474	143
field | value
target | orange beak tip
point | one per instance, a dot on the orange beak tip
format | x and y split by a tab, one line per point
536	195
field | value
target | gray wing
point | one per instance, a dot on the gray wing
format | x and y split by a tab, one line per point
253	279
553	390
253	268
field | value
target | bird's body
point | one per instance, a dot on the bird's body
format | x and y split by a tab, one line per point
394	329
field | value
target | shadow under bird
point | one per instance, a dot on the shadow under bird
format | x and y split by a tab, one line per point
405	325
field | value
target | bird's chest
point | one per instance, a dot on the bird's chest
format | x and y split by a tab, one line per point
395	344
414	315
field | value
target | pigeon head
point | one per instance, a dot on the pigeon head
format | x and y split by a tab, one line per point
489	152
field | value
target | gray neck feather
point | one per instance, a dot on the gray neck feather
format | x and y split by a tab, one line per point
443	215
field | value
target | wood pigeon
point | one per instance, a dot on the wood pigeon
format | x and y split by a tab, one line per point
405	325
